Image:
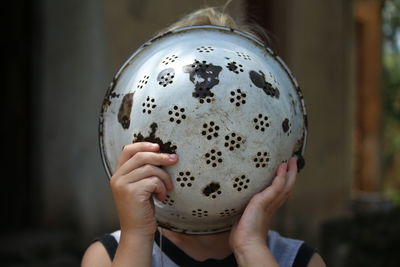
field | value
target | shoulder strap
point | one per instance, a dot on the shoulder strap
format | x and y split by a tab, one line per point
303	256
110	244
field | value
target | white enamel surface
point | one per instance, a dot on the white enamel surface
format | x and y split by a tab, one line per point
181	212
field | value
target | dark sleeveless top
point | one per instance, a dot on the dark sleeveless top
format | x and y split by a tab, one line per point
288	252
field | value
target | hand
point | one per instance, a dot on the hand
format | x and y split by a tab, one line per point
135	181
251	231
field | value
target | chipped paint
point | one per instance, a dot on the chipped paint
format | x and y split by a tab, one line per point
165	147
285	125
211	188
204	76
124	114
258	79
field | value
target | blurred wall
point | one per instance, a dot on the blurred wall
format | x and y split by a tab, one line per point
319	50
315	39
74	72
85	42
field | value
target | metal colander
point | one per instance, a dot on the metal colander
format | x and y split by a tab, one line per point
221	100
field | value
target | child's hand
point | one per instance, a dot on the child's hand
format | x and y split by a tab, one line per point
136	179
250	233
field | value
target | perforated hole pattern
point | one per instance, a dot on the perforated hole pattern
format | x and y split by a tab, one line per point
233	141
168	201
235	67
243	55
261	159
148	105
143	81
206	49
261	122
177	114
185	179
169	59
166	77
214	158
207	99
212	190
210	130
238	97
227	212
177	215
199	213
241	183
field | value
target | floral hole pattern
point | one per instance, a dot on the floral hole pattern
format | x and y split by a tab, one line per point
210	130
177	114
241	183
169	59
143	82
261	159
233	141
227	212
261	122
185	179
235	67
238	97
213	158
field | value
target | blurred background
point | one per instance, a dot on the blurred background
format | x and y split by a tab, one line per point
60	56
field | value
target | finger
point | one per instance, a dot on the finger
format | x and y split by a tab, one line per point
282	169
269	194
147	187
149	170
130	150
292	173
143	158
290	181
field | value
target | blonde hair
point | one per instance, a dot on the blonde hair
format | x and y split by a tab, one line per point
217	16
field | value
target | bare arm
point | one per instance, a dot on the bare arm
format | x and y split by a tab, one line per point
249	235
133	185
132	251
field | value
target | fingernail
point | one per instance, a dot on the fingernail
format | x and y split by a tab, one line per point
172	156
154	145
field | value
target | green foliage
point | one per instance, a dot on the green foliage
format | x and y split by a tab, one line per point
394	195
391	81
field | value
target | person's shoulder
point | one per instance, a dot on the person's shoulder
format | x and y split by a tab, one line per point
316	261
96	255
301	253
101	250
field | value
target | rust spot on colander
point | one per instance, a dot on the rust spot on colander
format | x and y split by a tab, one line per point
258	79
212	190
305	120
300	162
165	147
297	151
204	76
124	113
285	125
109	95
